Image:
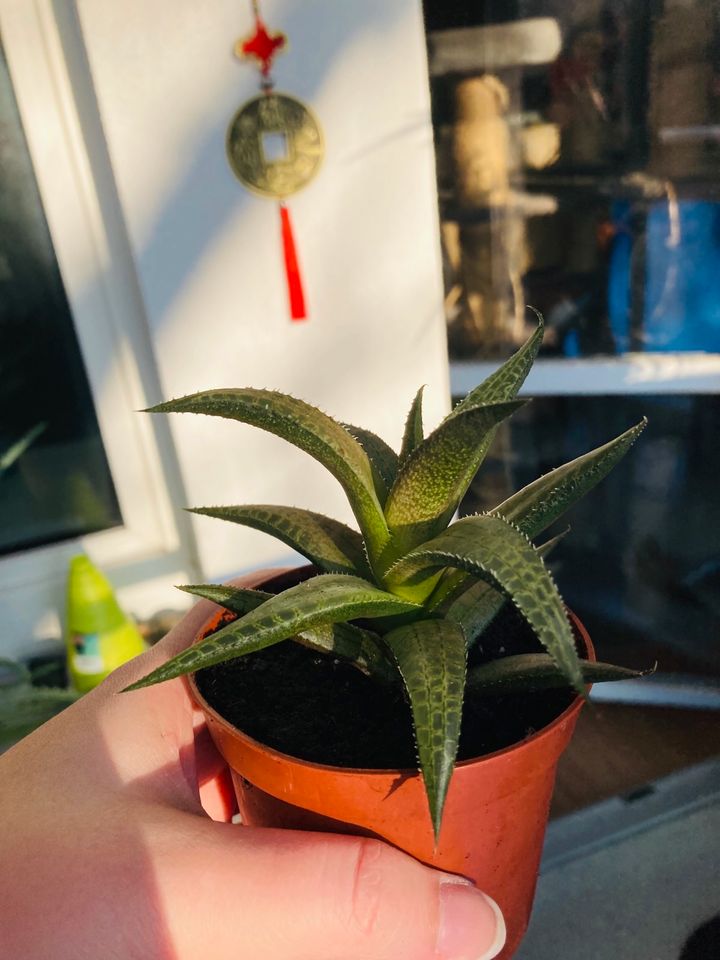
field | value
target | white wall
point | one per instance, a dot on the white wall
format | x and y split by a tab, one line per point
208	254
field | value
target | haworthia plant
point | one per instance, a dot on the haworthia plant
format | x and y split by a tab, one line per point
413	435
312	431
383	459
492	549
431	656
329	544
322	601
361	647
476	603
430	586
535	671
435	476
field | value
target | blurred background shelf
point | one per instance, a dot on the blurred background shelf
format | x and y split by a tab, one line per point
631	373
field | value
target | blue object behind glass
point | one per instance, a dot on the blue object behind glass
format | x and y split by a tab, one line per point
682	263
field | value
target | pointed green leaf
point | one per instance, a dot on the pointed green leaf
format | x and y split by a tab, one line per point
239	600
490	547
540	503
383	459
434	478
307	428
454	584
474	604
330	545
361	647
504	383
328	598
545	549
430	655
450	585
475	608
535	671
413	435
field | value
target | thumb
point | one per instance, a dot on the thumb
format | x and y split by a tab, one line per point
288	895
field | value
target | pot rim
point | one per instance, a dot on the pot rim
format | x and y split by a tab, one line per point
544	733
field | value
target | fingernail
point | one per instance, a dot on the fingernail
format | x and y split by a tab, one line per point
471	923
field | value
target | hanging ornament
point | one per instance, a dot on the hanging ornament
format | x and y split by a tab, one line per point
275	146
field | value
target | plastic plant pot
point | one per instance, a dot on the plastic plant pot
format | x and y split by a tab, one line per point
494	819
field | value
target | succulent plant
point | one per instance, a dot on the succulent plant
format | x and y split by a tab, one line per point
429	585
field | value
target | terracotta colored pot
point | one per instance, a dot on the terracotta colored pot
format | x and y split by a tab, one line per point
495	813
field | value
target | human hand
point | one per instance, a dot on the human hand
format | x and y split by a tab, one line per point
106	852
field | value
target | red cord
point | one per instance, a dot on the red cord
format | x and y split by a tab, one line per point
292	269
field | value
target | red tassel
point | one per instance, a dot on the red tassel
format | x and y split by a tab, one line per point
292	269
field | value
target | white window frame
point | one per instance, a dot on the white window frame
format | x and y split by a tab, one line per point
77	190
627	374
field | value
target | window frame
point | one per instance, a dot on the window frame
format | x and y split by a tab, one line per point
42	45
629	373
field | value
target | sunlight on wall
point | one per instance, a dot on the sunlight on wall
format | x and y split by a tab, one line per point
208	253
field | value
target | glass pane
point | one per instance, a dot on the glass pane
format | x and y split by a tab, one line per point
641	563
578	147
54	478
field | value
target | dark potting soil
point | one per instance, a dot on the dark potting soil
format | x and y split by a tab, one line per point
321	709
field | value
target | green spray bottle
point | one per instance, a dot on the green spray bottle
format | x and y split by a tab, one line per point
100	637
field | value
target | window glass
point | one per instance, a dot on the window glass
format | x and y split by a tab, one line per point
578	146
54	477
641	562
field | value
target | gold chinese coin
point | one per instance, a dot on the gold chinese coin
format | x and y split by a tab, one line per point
274	145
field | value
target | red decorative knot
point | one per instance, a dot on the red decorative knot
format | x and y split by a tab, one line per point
263	46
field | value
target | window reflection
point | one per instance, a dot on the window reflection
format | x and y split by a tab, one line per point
578	148
54	477
641	562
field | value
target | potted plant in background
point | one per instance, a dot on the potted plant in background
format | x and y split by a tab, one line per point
28	698
432	675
